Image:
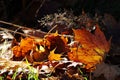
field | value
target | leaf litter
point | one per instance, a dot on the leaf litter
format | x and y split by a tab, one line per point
71	54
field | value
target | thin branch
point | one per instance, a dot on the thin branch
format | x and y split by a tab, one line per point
14	25
22	27
43	1
52	29
4	29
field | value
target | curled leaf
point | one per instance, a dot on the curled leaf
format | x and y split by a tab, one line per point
17	51
40	54
58	42
25	46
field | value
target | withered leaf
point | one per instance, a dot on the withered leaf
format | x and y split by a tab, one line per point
52	56
93	47
25	46
58	42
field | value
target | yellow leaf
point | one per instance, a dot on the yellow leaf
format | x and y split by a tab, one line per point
52	56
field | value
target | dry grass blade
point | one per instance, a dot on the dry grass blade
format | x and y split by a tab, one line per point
5	52
9	64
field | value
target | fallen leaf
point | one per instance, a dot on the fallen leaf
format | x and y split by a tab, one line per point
25	46
92	47
17	51
58	42
6	35
52	56
41	54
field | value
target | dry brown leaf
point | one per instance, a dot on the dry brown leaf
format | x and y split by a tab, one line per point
41	54
58	42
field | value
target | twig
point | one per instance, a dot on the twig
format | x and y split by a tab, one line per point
43	1
4	29
22	27
52	29
90	76
14	25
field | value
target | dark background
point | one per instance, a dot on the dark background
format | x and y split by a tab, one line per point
24	11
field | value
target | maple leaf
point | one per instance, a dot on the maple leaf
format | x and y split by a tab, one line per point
92	47
52	56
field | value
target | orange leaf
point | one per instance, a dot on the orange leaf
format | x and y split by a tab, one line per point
43	42
17	51
52	56
93	47
26	45
96	41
